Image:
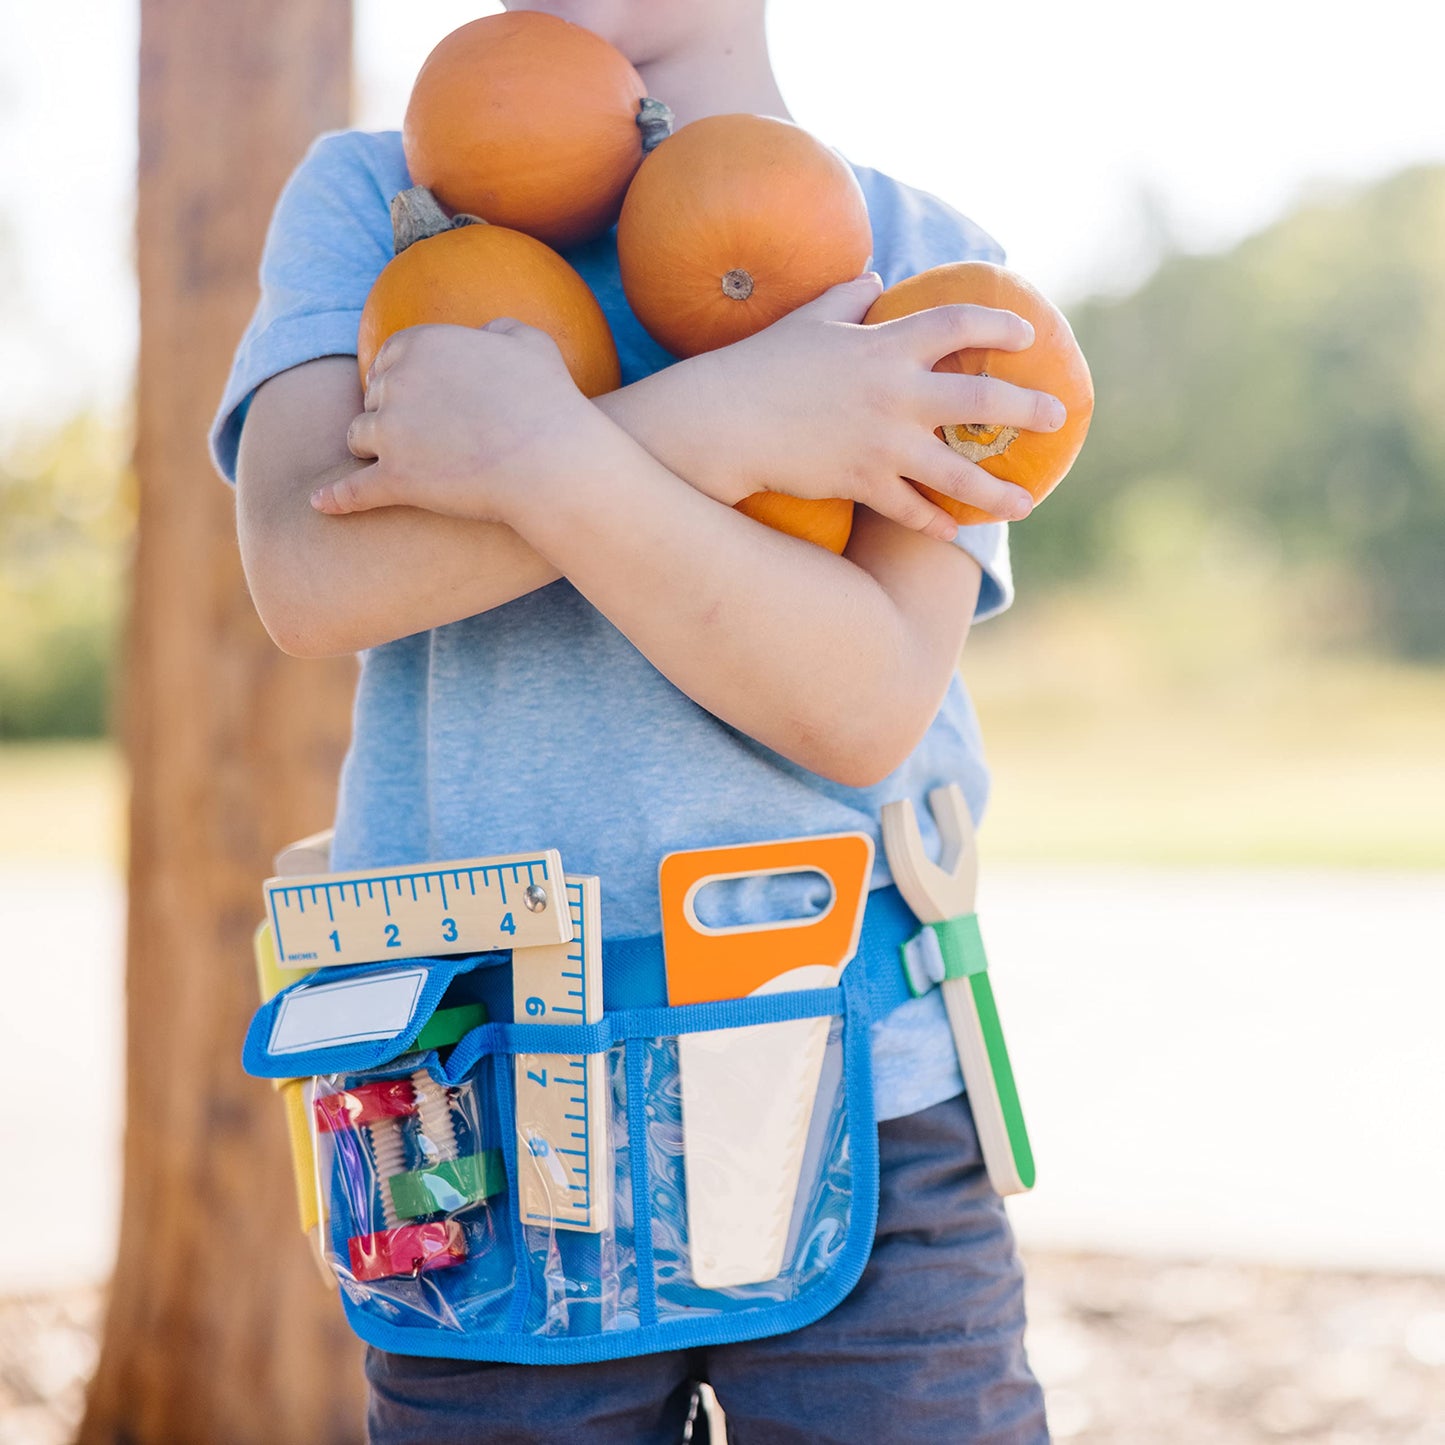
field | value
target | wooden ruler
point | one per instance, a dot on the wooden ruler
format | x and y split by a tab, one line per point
563	1166
748	1093
523	902
472	905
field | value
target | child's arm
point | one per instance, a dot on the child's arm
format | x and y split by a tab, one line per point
324	585
837	663
322	588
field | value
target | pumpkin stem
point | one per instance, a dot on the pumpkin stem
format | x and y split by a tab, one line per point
654	120
975	442
417	215
738	285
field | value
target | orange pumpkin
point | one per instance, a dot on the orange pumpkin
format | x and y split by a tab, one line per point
827	522
1036	461
528	121
476	273
731	223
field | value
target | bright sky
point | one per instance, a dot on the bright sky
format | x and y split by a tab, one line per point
1077	131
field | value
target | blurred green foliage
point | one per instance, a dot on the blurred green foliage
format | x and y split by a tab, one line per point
67	515
1276	410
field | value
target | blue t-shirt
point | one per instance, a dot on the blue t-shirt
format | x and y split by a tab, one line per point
538	724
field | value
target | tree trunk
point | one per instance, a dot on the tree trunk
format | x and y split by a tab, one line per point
219	1329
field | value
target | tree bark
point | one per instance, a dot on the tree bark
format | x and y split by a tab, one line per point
219	1329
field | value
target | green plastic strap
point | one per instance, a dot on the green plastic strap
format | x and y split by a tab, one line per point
449	1026
961	944
941	951
448	1185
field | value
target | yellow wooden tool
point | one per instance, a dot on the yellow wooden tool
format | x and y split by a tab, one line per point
950	953
296	1095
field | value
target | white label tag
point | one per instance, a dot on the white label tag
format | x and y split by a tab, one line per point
352	1011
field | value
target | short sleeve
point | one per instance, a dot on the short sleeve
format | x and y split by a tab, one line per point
912	231
987	544
329	237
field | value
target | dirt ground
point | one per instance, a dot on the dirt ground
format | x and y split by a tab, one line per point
1131	1352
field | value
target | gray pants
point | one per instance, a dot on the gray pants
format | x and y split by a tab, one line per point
927	1348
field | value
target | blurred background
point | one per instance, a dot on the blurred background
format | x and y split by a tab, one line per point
1214	885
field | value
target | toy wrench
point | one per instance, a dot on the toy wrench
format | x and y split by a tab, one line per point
949	952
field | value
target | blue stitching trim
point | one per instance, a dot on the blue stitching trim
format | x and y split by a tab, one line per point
645	1023
641	1184
522	1259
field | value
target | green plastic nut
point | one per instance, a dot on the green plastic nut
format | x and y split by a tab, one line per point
449	1185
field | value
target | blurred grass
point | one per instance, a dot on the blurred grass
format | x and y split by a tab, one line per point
1119	732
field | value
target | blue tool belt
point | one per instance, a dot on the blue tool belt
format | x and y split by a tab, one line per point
417	1157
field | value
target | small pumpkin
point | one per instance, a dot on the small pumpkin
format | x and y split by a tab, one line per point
461	272
1036	461
828	522
732	222
530	122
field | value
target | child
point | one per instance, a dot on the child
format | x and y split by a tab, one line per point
569	639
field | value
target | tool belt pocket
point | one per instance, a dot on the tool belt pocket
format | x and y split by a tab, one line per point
541	1193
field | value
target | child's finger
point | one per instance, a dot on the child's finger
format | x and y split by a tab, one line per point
357	491
386	357
848	301
908	507
942	330
531	338
361	436
936	465
987	401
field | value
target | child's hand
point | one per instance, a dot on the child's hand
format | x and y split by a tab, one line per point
462	421
818	406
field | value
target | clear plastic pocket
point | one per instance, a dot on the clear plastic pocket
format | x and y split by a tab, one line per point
747	1144
413	1187
719	1167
